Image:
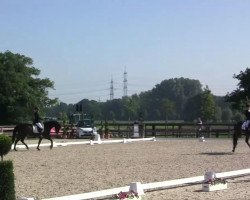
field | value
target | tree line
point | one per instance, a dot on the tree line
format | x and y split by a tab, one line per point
173	99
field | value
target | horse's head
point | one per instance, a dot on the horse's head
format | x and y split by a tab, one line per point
57	126
52	124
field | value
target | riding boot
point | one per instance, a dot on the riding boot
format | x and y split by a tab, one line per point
39	131
247	128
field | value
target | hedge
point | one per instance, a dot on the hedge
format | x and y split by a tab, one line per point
5	145
7	184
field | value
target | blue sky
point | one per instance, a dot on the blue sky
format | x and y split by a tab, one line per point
81	44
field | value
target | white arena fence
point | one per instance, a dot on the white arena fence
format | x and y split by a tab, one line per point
140	188
151	186
91	142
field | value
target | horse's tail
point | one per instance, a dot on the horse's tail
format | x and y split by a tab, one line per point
14	134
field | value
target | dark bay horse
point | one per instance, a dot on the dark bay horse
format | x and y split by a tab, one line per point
22	130
238	133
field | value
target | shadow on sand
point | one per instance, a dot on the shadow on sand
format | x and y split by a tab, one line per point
216	153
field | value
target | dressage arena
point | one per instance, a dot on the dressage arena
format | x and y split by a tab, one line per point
76	169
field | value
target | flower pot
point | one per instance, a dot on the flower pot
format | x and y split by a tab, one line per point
207	187
135	198
210	175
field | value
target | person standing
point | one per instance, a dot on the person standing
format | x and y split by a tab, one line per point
199	128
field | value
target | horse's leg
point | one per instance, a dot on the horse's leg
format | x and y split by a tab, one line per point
18	138
236	135
22	140
39	142
51	141
235	142
247	139
15	143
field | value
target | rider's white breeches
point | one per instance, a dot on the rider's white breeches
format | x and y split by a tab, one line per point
39	125
245	125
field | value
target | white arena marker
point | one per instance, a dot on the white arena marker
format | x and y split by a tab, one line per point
60	144
91	142
124	140
136	187
201	139
98	138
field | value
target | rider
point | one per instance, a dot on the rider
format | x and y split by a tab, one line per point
37	120
246	124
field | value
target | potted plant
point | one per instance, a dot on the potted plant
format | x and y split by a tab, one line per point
7	185
211	183
127	195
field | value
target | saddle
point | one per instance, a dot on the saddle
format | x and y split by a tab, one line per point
36	128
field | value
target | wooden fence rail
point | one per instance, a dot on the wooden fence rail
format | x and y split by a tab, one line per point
171	130
189	130
149	129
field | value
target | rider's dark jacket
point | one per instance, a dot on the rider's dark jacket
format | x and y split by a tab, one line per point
36	118
247	113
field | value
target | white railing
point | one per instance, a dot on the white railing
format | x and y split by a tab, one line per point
91	142
151	186
144	187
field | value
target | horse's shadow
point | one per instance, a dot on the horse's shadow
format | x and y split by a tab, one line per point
216	153
242	181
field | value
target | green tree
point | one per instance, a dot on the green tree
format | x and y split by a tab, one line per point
131	107
177	90
176	99
145	102
208	106
59	108
238	116
218	114
21	88
226	115
202	105
169	108
192	109
241	95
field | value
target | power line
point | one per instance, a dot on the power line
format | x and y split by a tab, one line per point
79	92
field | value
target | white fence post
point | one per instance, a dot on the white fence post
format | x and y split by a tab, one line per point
136	187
